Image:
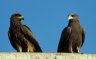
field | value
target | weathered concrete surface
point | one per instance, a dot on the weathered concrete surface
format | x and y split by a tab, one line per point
46	56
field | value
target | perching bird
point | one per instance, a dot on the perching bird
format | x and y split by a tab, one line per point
20	35
72	37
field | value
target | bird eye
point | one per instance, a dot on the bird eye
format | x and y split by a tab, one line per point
73	15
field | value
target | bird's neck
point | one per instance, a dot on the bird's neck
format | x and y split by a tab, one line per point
15	23
72	22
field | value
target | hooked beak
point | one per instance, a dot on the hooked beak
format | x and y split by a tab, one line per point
70	17
21	17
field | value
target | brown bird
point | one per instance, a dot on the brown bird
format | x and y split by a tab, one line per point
20	35
72	37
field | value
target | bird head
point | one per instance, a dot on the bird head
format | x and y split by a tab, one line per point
73	16
17	17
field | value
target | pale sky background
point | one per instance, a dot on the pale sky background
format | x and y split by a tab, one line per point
47	19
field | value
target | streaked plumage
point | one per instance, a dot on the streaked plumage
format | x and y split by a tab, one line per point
72	37
20	35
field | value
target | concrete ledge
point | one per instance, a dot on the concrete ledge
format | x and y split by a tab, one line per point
46	56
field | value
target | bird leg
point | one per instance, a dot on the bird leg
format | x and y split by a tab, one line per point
28	50
19	49
78	50
30	47
70	50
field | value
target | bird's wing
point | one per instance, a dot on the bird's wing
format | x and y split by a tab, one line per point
11	40
27	27
28	34
83	36
64	38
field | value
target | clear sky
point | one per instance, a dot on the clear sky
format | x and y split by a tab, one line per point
47	19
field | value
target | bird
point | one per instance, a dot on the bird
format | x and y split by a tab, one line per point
21	36
72	37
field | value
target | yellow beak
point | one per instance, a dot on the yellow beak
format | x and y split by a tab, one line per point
70	17
21	17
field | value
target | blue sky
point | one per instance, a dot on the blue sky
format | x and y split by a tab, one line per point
47	19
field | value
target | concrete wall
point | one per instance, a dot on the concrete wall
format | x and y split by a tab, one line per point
46	56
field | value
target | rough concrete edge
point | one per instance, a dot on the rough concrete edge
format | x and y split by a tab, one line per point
17	55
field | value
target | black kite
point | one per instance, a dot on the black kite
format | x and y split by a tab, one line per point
20	35
72	37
